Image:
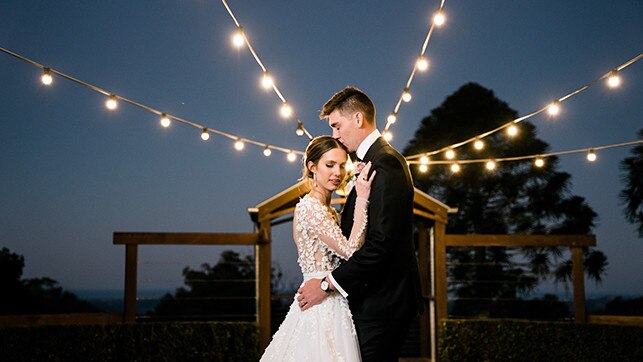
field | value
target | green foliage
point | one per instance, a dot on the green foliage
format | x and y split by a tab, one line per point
632	193
178	341
33	296
516	198
510	340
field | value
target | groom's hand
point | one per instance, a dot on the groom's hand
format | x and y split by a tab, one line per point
310	294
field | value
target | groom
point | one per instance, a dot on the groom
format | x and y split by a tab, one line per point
381	279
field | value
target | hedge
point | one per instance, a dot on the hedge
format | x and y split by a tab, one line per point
155	341
511	340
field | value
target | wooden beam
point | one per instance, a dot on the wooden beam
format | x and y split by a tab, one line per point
154	238
131	261
578	282
263	268
440	271
519	240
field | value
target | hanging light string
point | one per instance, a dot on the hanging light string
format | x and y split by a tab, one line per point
267	81
421	64
548	107
165	116
590	150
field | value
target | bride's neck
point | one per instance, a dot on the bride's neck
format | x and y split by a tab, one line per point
321	195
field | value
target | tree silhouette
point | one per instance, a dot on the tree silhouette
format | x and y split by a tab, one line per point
33	296
516	198
632	194
225	291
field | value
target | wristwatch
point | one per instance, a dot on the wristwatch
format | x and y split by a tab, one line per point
325	286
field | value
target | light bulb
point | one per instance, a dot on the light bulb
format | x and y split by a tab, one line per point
591	156
239	145
512	130
46	78
205	135
450	154
422	63
111	103
391	118
406	96
291	156
613	80
439	18
286	111
455	167
237	38
423	168
165	121
388	136
554	108
539	162
424	160
490	165
266	80
478	145
267	151
300	130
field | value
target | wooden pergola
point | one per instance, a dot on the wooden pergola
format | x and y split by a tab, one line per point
430	214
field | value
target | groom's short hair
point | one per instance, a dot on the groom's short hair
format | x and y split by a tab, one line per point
350	99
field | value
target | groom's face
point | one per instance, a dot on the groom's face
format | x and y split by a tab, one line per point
345	128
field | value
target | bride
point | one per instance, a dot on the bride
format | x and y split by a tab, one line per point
324	332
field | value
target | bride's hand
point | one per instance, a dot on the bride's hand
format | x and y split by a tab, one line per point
363	182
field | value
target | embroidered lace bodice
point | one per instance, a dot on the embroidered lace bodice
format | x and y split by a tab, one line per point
320	243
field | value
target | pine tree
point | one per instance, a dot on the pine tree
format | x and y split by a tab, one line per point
632	193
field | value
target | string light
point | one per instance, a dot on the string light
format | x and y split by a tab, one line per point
449	154
266	80
238	145
523	118
205	135
423	168
286	111
512	130
478	145
424	160
406	96
539	162
422	63
237	38
388	136
46	78
267	152
165	121
554	108
613	80
111	103
490	165
391	118
455	167
591	155
439	19
291	156
300	130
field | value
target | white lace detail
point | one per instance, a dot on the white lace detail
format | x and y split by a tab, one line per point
319	240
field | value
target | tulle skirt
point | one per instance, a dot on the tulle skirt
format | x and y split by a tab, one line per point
324	332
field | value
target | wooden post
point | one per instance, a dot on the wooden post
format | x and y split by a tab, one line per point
440	270
262	272
425	275
578	282
131	260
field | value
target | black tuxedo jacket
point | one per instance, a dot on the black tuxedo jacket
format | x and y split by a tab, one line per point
381	278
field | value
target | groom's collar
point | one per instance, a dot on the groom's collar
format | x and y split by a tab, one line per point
367	143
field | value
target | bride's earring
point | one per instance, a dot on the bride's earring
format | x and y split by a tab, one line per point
315	179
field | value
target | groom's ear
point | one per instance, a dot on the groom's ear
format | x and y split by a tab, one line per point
359	118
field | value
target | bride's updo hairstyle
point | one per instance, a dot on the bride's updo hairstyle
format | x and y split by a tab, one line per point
316	149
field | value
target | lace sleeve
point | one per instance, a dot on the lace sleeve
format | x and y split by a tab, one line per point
323	224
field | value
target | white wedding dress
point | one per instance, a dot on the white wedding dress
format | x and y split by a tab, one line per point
324	332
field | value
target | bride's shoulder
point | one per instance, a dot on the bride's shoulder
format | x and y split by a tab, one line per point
307	202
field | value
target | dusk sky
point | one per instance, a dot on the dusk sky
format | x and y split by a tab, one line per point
73	172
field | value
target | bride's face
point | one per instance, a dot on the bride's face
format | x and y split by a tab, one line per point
331	169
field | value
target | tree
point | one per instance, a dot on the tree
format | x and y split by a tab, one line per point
225	291
516	198
33	296
632	194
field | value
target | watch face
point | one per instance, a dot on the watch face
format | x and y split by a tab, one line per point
324	285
